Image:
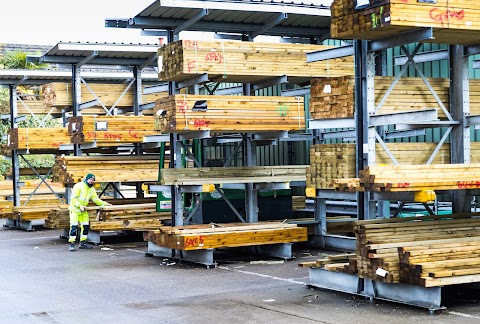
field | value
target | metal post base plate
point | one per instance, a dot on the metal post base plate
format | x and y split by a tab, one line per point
429	298
204	257
25	225
281	250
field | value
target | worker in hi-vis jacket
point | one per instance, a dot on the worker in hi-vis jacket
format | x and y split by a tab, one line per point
82	193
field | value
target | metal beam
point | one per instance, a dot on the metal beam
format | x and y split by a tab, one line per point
149	61
423	57
146	106
200	78
229	27
227	36
190	22
270	82
471	50
404	117
296	92
87	59
155	89
154	33
420	125
331	123
88	104
330	53
229	91
413	36
97	60
405	133
269	24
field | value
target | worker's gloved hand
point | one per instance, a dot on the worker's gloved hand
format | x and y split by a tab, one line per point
108	204
82	208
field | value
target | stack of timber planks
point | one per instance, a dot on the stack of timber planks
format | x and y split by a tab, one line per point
427	251
140	216
29	213
211	236
257	174
229	113
453	22
417	178
37	138
58	217
346	263
233	61
110	130
329	162
409	94
334	161
332	97
119	168
59	95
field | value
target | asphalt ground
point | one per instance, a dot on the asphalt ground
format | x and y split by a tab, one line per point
42	282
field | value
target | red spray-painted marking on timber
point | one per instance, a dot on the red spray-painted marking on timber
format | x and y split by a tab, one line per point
443	16
194	241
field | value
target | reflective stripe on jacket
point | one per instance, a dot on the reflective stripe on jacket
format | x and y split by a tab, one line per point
81	195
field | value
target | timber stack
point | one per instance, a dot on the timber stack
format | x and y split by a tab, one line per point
335	98
37	138
110	130
453	22
256	174
211	236
428	251
58	217
179	113
231	61
139	217
59	95
329	160
120	168
346	263
418	177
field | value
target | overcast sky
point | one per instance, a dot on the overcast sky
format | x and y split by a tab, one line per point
48	22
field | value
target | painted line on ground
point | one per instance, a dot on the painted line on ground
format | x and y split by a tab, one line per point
264	275
464	315
29	238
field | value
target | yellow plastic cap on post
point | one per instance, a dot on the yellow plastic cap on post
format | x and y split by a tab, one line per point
310	192
424	196
144	187
208	188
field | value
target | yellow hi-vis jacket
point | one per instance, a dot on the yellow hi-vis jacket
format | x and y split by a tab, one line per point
81	195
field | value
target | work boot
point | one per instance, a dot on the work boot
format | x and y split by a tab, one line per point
71	246
85	246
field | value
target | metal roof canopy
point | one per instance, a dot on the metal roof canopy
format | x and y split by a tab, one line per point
102	54
36	77
251	18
